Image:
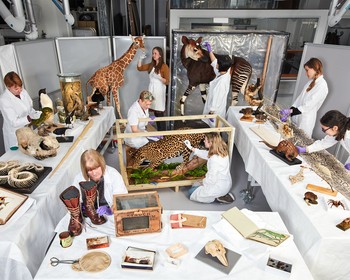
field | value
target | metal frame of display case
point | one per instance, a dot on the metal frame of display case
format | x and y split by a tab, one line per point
221	126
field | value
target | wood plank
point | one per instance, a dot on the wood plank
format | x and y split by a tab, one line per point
320	189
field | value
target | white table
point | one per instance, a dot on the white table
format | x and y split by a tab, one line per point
326	249
193	239
24	242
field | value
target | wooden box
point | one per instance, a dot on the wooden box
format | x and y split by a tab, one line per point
137	213
221	126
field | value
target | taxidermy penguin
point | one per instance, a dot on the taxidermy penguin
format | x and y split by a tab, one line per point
45	100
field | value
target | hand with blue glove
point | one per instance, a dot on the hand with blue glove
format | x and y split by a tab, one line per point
152	118
347	166
208	46
301	150
104	210
211	119
285	114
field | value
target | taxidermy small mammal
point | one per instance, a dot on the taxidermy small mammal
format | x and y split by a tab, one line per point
285	147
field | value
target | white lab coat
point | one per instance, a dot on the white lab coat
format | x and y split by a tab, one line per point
158	89
113	184
217	96
217	181
15	112
328	141
308	104
135	112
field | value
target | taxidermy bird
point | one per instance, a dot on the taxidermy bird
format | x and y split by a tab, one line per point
60	131
69	118
45	100
46	117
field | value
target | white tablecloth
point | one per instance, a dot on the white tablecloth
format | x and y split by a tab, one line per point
250	264
326	249
24	242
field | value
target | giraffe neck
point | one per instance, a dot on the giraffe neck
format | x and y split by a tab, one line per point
128	56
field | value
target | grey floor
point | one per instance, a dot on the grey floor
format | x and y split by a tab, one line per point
172	200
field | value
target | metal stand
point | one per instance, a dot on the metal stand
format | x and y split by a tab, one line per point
247	194
108	141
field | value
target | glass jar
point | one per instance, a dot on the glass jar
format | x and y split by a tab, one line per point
72	95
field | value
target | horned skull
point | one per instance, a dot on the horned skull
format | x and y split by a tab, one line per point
216	249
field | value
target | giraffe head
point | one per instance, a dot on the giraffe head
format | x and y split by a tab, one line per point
138	42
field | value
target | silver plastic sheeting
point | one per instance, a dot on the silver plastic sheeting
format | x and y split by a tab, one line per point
250	45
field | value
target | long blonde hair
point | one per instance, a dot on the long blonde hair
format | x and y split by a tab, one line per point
218	146
95	159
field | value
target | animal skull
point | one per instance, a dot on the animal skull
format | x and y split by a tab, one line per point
216	249
34	145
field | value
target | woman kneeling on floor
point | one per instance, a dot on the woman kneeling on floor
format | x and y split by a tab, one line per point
217	182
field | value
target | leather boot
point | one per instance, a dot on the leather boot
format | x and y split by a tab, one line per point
70	197
89	190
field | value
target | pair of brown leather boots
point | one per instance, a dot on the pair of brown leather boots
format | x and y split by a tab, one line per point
71	199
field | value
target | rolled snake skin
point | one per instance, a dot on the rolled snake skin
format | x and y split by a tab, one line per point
340	177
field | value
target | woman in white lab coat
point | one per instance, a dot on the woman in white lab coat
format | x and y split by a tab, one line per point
108	180
17	109
305	107
217	182
139	109
159	77
337	129
219	87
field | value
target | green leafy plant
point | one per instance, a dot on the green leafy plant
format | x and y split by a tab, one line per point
198	172
168	166
143	176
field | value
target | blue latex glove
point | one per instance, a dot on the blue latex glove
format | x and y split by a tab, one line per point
285	114
208	46
347	166
104	210
158	137
152	118
301	150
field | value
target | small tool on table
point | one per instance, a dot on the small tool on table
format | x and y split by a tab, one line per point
55	261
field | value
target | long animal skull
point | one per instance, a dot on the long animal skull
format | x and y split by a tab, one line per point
216	249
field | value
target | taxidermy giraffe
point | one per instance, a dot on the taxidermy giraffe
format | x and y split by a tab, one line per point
111	77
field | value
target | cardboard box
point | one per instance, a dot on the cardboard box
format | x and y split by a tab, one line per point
136	213
87	23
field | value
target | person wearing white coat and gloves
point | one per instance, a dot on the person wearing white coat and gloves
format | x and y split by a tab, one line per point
139	109
337	129
219	87
17	109
108	180
159	76
217	182
305	107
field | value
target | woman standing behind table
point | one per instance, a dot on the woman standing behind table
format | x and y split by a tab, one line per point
17	109
159	74
337	129
217	182
305	107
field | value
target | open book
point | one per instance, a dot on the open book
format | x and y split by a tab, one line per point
249	230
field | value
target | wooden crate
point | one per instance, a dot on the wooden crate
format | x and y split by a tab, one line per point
136	213
221	126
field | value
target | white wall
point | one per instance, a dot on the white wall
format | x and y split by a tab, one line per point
49	19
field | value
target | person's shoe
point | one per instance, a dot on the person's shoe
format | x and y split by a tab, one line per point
227	198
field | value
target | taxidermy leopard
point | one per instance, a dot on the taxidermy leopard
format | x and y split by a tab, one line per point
170	146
